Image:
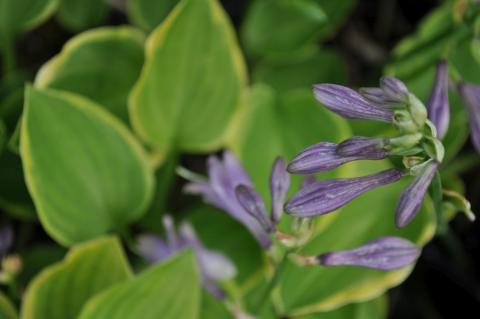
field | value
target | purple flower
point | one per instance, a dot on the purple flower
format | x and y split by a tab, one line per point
326	196
325	155
411	198
438	107
350	104
213	265
243	203
470	94
385	253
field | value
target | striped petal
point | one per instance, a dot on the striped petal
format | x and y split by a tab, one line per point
438	106
385	253
279	185
326	196
350	104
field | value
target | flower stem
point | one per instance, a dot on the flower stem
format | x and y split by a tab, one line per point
263	301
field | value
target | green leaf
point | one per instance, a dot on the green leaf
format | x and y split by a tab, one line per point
326	65
282	126
236	242
87	66
149	14
213	308
23	15
281	27
372	309
169	290
61	290
7	310
78	15
305	290
437	35
337	12
194	76
85	171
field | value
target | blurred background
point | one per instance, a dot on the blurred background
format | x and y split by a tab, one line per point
446	281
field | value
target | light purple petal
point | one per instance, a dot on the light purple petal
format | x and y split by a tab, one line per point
385	253
153	249
438	106
213	265
470	94
224	176
324	156
350	104
253	204
279	184
411	198
326	196
173	240
366	147
394	89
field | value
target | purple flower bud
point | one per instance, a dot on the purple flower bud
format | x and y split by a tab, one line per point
350	104
411	198
385	253
325	155
394	89
279	184
377	96
470	94
326	196
253	204
366	147
438	107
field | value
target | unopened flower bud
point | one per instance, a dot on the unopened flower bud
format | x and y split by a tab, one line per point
418	110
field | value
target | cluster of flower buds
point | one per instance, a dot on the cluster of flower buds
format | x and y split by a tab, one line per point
213	265
417	142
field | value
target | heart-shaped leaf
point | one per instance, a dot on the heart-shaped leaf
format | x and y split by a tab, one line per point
60	291
149	14
194	76
87	66
169	290
23	15
77	15
85	171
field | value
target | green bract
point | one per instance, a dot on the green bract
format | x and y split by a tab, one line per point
61	290
86	173
174	104
169	290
